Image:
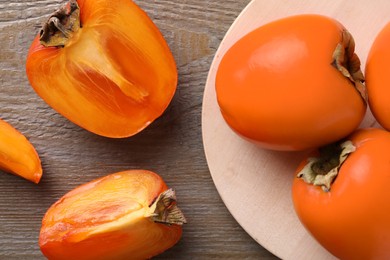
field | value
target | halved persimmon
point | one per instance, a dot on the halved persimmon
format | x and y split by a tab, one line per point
104	65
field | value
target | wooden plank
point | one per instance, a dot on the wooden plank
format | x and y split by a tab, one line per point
171	146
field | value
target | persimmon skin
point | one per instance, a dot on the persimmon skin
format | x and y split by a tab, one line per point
108	218
377	77
276	86
17	155
352	220
113	77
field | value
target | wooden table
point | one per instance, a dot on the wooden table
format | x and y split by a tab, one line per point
171	146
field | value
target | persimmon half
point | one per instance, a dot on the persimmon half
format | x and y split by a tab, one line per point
124	215
292	84
377	77
104	65
17	155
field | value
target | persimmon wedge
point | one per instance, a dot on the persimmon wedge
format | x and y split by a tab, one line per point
17	154
104	65
125	215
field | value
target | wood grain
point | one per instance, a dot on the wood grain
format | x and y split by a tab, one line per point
171	146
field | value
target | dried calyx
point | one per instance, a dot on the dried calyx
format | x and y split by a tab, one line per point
322	170
164	209
348	63
61	25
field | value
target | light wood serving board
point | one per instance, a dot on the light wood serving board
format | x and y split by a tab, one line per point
255	184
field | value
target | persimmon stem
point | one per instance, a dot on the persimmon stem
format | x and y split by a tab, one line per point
348	63
61	25
322	170
165	209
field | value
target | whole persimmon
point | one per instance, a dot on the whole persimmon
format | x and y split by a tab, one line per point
341	196
377	77
292	84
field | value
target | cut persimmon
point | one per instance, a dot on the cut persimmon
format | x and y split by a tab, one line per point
17	154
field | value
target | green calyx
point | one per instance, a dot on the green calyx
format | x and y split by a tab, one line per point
322	170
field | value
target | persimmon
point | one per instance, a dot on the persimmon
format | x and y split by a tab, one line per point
377	77
125	215
17	155
341	195
104	65
292	84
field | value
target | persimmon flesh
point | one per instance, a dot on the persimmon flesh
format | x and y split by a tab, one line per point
125	215
17	155
104	65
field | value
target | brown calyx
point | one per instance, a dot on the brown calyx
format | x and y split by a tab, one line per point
165	209
348	63
61	25
323	170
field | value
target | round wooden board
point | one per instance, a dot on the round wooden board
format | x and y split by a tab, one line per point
255	183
